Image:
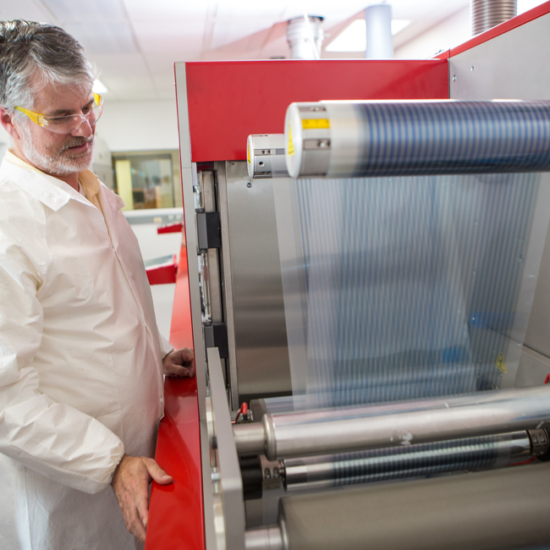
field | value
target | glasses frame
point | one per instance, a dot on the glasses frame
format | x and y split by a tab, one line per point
42	120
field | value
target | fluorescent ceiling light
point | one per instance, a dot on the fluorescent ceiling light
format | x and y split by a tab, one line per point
99	87
354	37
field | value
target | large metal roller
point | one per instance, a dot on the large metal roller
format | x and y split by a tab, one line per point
398	138
355	428
489	510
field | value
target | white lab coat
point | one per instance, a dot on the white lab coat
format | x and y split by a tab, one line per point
80	363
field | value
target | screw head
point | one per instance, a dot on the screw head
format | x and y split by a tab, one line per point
249	185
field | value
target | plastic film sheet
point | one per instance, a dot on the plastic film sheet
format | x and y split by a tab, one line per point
407	287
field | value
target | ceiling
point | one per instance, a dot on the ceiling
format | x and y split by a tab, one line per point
134	43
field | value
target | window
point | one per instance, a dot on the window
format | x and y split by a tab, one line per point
146	180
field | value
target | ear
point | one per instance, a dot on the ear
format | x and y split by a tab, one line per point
8	123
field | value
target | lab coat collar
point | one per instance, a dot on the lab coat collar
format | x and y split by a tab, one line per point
52	192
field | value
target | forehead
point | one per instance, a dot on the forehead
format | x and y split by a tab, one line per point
53	97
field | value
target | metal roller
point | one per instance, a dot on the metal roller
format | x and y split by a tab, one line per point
476	453
341	139
265	155
359	428
507	508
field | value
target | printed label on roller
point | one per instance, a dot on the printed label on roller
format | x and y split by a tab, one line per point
248	154
500	364
315	123
290	148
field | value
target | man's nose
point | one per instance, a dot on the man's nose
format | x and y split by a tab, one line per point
85	129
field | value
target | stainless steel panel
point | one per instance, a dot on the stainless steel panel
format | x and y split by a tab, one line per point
258	309
514	66
227	284
226	482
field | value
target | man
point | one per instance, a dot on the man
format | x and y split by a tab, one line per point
80	355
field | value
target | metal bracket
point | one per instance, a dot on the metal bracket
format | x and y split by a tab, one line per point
208	230
271	473
539	441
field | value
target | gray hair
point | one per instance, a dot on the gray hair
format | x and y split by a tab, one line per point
28	49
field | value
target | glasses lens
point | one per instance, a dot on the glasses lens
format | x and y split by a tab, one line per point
69	123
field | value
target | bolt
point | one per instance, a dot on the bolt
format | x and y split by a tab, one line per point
267	473
454	78
215	477
472	68
275	472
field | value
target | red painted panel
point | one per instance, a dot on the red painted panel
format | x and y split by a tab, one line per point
503	28
228	100
170	228
163	275
176	519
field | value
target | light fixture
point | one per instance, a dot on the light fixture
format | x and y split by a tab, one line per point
99	87
354	37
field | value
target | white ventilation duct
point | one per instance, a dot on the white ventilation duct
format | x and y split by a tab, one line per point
379	35
305	37
486	14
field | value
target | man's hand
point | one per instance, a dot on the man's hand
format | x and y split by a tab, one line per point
179	363
131	485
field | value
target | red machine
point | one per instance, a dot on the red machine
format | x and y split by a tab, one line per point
219	105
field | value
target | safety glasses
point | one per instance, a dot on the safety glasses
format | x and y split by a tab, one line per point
67	123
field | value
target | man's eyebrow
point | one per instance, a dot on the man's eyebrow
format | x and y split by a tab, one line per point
61	112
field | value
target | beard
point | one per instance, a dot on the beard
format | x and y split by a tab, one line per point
59	162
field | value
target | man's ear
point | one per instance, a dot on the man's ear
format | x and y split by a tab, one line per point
7	122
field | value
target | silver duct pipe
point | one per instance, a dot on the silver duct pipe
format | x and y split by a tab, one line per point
487	14
305	37
379	35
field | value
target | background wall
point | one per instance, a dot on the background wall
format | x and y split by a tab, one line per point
139	125
450	32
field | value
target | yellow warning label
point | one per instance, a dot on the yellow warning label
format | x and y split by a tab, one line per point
248	154
315	123
290	148
500	365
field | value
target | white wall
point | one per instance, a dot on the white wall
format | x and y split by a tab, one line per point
139	125
451	32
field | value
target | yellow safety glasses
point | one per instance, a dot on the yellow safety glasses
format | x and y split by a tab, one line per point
67	123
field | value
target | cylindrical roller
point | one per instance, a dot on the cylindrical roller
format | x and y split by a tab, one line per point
264	538
265	155
399	462
506	508
250	438
330	431
399	138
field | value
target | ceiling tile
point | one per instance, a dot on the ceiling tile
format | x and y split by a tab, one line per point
123	65
231	29
103	38
170	37
166	10
25	9
72	11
